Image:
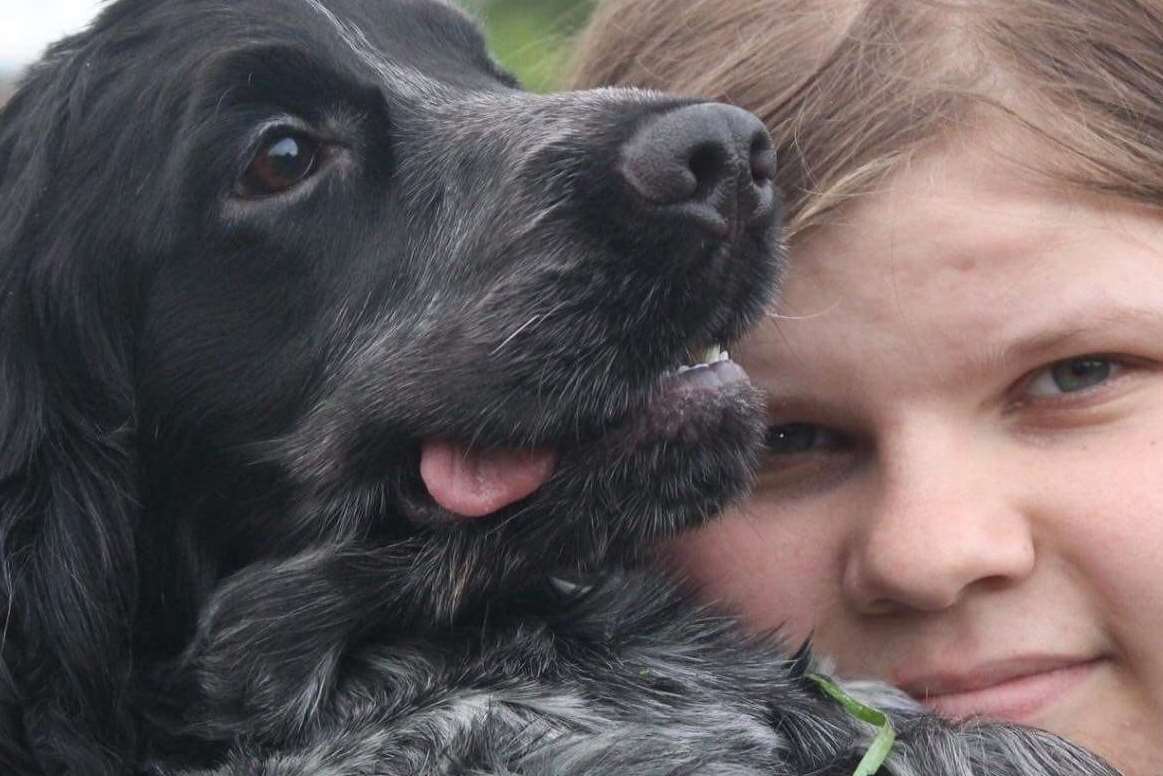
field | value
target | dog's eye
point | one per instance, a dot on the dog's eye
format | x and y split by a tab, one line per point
282	162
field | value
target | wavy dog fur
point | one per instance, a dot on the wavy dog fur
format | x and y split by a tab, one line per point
252	255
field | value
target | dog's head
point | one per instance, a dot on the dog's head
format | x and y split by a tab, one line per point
275	272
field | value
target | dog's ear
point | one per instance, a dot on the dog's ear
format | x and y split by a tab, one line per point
67	468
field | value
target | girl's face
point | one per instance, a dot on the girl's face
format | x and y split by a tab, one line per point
964	490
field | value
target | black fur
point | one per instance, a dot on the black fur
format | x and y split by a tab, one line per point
215	548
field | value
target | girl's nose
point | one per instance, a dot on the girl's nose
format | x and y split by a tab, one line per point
938	525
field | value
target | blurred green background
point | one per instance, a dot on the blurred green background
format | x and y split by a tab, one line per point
532	38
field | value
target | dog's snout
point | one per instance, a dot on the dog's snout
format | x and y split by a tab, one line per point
712	163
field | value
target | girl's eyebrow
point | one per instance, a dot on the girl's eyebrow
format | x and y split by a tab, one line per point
1068	330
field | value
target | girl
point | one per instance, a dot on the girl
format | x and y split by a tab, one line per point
964	488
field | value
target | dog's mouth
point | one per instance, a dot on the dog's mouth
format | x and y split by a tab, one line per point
684	405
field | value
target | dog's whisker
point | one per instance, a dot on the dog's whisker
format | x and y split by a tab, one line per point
532	320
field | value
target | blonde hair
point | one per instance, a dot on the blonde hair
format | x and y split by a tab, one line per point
852	89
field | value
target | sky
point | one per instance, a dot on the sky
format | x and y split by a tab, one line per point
27	26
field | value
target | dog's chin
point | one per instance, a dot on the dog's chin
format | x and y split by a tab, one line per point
691	448
689	406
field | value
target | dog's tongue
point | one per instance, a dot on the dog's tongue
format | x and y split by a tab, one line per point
474	483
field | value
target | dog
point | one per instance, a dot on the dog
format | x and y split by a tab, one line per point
344	388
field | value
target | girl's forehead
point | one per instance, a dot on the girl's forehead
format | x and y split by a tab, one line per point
964	205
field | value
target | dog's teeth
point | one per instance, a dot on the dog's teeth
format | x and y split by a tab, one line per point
708	356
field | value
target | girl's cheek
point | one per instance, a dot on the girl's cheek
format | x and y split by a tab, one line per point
763	567
1099	508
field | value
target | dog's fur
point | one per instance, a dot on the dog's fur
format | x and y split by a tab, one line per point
215	548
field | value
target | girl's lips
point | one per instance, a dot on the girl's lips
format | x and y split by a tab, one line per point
1012	690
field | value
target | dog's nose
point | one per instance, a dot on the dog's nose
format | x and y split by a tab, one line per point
710	162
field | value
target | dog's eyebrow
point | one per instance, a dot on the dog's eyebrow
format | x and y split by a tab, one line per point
409	80
282	77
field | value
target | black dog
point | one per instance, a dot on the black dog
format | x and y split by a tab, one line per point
326	352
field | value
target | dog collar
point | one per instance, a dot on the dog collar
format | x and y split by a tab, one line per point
881	744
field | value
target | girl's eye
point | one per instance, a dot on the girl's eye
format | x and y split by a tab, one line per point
797	438
282	162
1071	376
